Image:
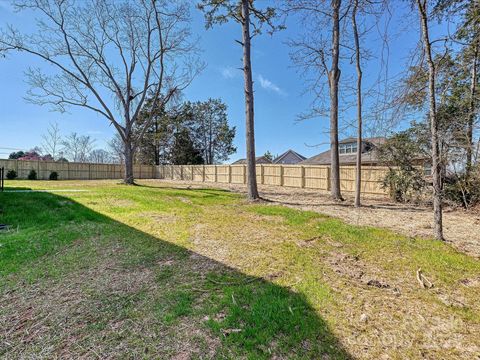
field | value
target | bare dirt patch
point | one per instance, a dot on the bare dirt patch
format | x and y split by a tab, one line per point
461	228
355	270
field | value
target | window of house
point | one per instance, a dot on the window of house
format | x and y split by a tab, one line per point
350	148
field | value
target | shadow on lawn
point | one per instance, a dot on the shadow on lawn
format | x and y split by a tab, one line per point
265	196
14	188
330	203
189	187
92	286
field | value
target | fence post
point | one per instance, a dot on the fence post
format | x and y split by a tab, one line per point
328	178
229	174
281	175
181	172
203	173
262	172
244	167
216	175
302	175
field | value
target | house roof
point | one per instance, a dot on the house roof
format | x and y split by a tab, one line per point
368	157
258	160
289	151
373	140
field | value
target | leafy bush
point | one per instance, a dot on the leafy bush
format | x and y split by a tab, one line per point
53	175
404	184
464	189
403	153
11	174
32	175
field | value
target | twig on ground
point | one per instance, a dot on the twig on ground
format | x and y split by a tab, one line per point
424	282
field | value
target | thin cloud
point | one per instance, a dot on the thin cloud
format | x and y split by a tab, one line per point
268	85
229	72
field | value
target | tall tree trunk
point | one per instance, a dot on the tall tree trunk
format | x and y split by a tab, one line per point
358	180
210	146
250	136
471	114
333	79
128	153
156	144
436	156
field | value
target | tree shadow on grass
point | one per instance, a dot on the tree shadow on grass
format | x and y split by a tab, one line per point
15	188
76	283
188	186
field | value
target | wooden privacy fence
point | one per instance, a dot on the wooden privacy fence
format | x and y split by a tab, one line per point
301	176
74	171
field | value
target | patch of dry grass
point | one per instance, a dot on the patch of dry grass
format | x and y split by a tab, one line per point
461	228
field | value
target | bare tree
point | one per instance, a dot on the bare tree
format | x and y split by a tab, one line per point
100	156
247	15
313	50
77	147
472	104
52	140
434	123
115	147
358	181
333	80
109	55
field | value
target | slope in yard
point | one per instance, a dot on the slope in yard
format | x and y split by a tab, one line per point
154	271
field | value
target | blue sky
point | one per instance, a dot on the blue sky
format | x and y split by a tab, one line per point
279	88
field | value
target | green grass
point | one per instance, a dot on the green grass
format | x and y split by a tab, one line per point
157	271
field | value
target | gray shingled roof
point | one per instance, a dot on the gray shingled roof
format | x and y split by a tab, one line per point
258	160
278	158
368	157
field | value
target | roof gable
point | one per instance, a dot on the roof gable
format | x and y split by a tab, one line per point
290	156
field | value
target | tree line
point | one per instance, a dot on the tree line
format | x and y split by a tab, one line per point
187	133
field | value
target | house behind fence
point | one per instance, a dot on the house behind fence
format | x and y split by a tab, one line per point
300	176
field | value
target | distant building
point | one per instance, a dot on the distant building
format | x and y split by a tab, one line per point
347	149
258	160
289	157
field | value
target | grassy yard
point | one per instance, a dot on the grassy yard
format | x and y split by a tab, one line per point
154	271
